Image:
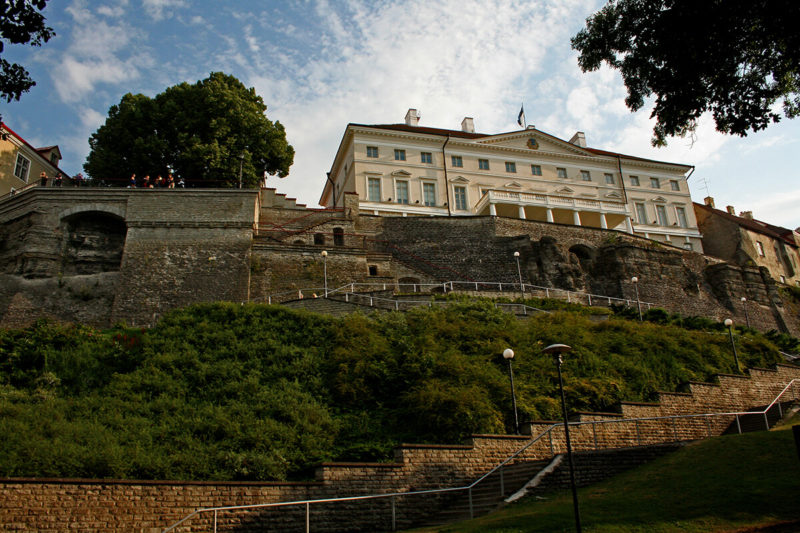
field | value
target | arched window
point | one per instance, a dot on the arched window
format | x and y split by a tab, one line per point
338	237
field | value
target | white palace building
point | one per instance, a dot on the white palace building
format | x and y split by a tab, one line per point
412	170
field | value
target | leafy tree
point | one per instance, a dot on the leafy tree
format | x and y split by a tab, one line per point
211	130
20	23
734	58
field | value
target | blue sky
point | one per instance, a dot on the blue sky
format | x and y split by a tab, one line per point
320	64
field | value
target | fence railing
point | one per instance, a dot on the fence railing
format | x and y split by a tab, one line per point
466	286
705	418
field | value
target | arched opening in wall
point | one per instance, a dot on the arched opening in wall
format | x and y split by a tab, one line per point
585	254
338	237
373	270
298	241
319	238
92	242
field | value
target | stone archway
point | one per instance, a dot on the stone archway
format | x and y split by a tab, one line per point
92	242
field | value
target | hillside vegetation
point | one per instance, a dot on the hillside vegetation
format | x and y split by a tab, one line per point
230	392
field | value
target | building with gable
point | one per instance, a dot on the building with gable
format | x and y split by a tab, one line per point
411	170
21	164
746	241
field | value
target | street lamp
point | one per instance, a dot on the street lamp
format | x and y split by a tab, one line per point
729	324
746	317
635	282
556	350
324	255
519	271
508	355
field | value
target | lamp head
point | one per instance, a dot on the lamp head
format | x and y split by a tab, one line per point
728	322
508	353
324	253
744	299
557	348
634	279
516	254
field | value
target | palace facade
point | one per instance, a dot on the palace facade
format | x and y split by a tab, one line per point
411	170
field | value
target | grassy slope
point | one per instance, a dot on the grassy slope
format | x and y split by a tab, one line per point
222	391
720	484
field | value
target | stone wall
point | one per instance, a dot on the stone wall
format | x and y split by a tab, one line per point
103	505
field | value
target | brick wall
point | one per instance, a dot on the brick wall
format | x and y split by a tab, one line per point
96	505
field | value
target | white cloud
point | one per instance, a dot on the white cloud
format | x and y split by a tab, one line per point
161	9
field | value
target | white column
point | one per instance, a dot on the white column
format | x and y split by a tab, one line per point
522	212
628	224
550	215
492	210
576	218
603	223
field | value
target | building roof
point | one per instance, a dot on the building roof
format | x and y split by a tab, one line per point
469	135
37	151
776	232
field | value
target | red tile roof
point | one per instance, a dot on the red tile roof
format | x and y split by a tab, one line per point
776	232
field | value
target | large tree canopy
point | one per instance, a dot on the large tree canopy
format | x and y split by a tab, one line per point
212	131
734	58
20	23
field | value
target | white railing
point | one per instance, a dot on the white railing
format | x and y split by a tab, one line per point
544	200
498	468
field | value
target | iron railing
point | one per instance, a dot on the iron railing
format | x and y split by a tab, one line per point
793	385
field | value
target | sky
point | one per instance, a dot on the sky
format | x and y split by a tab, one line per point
320	64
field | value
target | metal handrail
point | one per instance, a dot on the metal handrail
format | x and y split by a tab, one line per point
499	466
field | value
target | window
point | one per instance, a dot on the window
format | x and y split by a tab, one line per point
483	164
460	194
681	212
402	192
511	166
319	238
399	155
661	213
634	181
22	167
373	270
673	185
536	170
609	178
372	151
338	237
374	189
585	175
760	249
655	183
426	157
641	213
457	161
562	173
429	194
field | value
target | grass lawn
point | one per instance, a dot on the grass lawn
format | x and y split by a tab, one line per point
720	484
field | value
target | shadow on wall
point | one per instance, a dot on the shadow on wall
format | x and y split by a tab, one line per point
92	242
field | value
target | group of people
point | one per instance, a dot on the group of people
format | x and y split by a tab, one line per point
158	183
58	179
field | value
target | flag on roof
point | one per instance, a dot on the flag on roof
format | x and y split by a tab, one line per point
521	116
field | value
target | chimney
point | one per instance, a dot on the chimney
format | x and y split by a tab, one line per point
731	210
579	139
468	125
412	118
746	214
709	201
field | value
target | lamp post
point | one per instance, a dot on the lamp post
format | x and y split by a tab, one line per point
556	350
635	282
746	317
241	164
519	272
508	355
729	324
324	255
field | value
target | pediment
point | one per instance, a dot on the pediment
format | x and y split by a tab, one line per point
565	190
401	173
459	179
614	195
533	141
660	199
513	184
373	173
